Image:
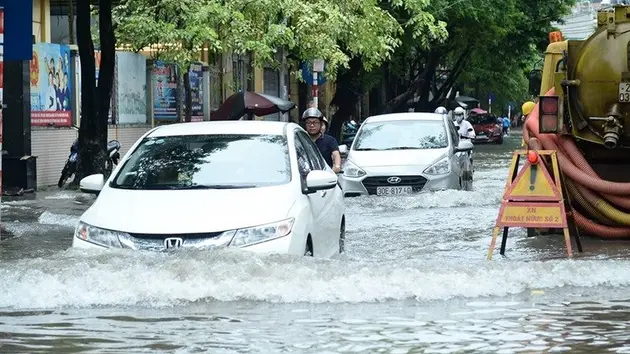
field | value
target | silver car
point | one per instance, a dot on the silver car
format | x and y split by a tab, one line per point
404	153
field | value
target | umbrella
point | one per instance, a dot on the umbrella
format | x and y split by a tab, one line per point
467	100
250	103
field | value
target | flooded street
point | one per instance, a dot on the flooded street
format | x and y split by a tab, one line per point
414	279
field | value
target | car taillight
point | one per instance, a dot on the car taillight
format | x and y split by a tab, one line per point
549	107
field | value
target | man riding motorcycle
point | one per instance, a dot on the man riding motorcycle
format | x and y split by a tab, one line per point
313	120
466	129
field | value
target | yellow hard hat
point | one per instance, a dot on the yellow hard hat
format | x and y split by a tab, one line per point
527	107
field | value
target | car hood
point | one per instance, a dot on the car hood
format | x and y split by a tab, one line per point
188	211
421	157
482	127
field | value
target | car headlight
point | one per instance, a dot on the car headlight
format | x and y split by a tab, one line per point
352	170
256	234
441	167
102	237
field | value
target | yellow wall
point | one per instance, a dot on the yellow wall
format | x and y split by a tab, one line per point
41	20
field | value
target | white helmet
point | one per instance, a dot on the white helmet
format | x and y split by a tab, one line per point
459	114
441	110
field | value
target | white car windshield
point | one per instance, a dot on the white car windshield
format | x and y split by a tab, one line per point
206	162
400	135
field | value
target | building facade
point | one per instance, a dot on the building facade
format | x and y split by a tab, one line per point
55	93
582	21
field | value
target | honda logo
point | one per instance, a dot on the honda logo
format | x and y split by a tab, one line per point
173	242
393	180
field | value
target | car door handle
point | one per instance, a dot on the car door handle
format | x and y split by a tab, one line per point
324	193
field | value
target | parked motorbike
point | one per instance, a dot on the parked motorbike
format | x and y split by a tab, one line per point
70	168
349	131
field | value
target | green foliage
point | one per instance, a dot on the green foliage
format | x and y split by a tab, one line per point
176	29
491	44
503	56
333	30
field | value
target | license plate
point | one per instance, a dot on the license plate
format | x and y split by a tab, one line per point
624	92
482	135
398	190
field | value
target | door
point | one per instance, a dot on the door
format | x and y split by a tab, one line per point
315	200
459	158
332	209
327	212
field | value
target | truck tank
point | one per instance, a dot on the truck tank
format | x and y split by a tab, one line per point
583	112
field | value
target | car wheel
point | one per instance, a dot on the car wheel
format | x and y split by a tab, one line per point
467	178
467	181
308	248
342	237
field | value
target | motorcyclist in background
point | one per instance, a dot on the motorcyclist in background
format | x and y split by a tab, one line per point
466	129
313	120
441	110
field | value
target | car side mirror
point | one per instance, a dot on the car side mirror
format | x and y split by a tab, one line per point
343	149
464	146
318	180
92	184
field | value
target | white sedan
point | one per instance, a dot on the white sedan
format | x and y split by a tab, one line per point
260	186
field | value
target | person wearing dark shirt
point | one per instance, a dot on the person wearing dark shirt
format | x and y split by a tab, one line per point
313	120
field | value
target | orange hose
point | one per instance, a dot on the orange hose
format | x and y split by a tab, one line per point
598	230
575	167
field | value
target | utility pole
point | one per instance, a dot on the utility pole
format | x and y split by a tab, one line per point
318	66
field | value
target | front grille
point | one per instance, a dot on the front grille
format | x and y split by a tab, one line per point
197	236
416	183
155	242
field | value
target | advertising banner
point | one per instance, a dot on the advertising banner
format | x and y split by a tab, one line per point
51	87
196	91
164	91
1	85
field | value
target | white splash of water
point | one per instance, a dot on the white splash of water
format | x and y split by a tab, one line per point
119	278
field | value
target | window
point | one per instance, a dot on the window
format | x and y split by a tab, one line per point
401	134
304	164
222	161
315	156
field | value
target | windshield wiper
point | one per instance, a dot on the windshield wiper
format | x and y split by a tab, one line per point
403	148
365	149
217	186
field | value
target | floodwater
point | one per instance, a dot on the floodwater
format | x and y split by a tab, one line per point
414	280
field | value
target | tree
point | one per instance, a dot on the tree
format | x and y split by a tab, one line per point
335	31
95	100
489	43
503	67
176	31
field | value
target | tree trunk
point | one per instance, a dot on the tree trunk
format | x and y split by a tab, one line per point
89	143
71	21
424	79
107	70
188	96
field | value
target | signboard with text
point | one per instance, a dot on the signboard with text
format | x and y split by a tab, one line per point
164	91
51	87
